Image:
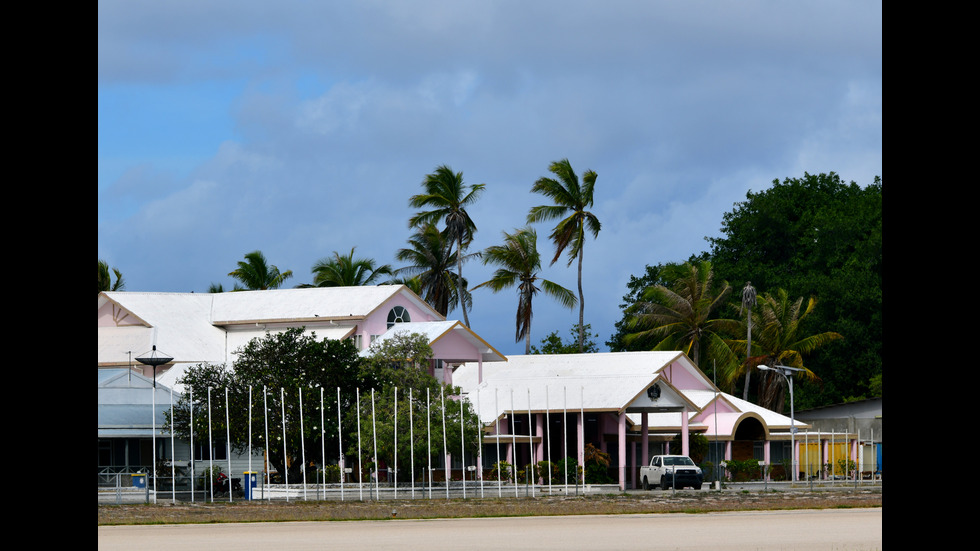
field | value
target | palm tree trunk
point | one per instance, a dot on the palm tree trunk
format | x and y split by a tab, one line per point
527	342
748	354
459	274
581	304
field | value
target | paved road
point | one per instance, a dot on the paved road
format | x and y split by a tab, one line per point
839	529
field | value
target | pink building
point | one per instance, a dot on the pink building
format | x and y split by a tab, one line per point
630	405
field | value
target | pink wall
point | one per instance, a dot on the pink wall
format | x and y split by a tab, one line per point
682	378
377	322
106	316
452	347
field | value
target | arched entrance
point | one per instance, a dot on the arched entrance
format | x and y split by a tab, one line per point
749	433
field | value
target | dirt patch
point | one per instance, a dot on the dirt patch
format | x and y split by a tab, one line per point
278	511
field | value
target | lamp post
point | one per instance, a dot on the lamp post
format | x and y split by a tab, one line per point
787	373
154	359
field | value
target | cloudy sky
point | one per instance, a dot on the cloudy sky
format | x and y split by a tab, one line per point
302	128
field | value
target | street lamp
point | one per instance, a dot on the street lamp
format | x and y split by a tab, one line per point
787	373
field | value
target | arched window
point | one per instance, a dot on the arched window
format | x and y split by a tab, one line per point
398	314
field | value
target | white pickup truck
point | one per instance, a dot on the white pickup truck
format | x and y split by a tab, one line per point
671	470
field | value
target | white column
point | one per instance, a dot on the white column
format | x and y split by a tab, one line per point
622	450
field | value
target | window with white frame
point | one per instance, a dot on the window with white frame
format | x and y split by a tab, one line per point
398	314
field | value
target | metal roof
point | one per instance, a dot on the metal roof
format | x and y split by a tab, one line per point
435	330
209	327
126	407
611	381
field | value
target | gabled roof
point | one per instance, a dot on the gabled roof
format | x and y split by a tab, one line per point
195	327
611	381
436	330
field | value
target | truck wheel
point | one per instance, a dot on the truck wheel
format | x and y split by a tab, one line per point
697	486
663	483
646	484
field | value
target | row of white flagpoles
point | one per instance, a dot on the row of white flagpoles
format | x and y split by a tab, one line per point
360	484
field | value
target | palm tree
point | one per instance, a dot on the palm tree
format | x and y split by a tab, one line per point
571	200
347	271
105	283
678	317
256	274
778	341
414	283
430	260
519	263
447	196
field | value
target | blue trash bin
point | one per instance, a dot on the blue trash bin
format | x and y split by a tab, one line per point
250	480
139	480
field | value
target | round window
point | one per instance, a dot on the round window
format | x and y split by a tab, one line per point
398	314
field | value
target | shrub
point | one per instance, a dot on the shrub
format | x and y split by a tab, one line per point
546	471
501	469
570	466
331	473
742	470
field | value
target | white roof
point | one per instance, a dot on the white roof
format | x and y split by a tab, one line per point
209	327
608	381
303	304
435	330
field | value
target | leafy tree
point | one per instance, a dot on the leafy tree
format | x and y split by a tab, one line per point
404	392
414	283
781	341
553	343
347	271
596	465
105	283
661	274
277	368
519	262
399	359
430	259
571	199
816	236
219	288
679	317
419	414
255	273
280	368
448	197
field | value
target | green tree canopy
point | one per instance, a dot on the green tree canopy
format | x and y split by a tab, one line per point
679	316
277	368
553	343
661	274
816	236
429	260
281	369
255	273
778	339
347	271
105	280
448	197
409	403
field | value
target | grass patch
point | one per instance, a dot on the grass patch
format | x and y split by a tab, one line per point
632	503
